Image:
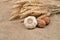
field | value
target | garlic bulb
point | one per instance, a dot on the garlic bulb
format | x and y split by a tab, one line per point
30	22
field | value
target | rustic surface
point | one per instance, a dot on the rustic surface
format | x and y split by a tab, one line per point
13	30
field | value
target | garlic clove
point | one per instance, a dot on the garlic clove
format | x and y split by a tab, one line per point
30	22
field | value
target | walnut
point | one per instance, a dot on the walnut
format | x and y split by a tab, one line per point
47	20
41	23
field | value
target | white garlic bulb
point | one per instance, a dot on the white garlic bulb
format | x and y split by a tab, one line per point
30	22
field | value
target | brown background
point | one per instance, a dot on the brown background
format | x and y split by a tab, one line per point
13	30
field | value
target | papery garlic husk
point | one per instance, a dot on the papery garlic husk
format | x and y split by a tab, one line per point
30	22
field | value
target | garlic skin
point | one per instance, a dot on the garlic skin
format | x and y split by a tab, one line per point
32	24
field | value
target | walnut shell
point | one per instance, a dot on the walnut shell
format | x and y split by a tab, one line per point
47	20
41	23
